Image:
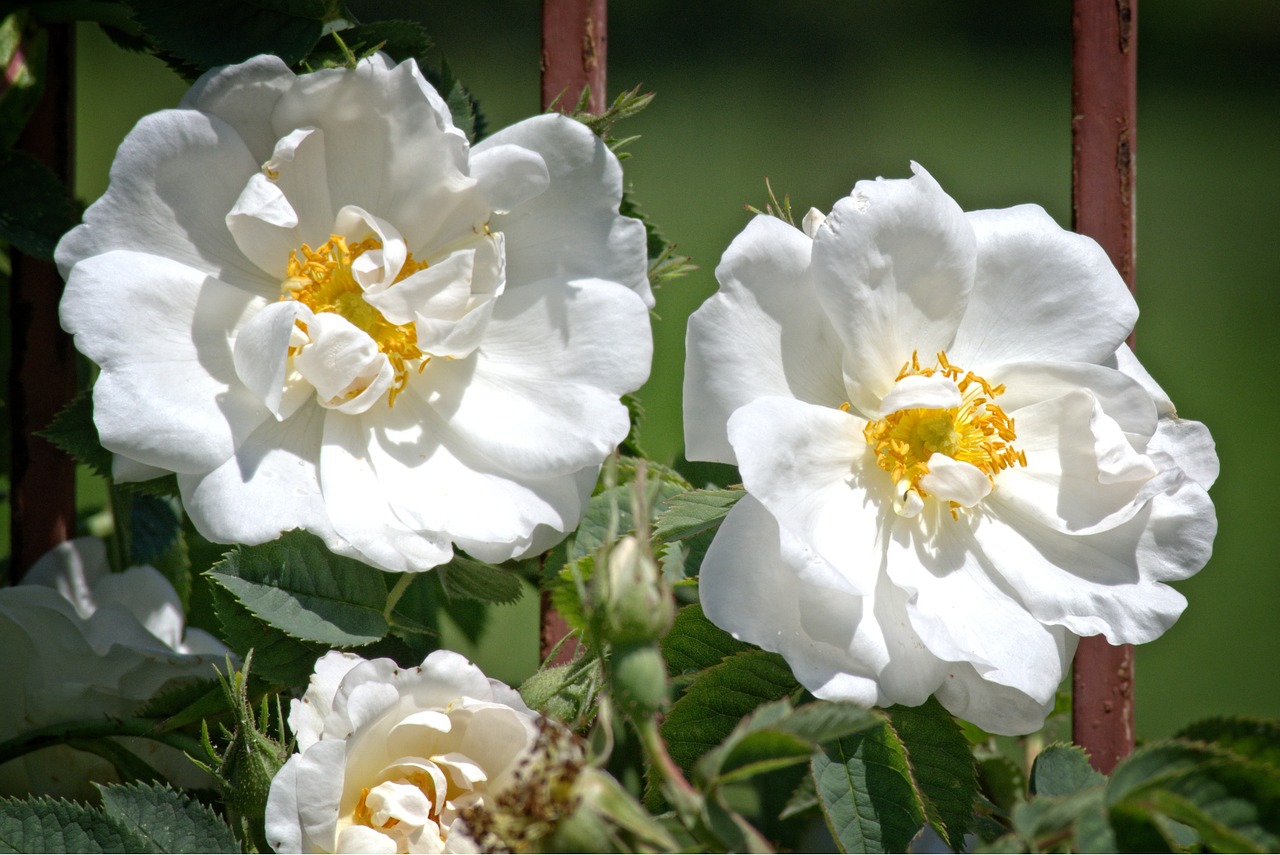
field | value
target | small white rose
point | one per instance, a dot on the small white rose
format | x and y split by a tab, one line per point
388	757
956	466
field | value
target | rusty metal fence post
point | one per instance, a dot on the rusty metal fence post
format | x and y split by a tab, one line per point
573	57
1103	144
42	375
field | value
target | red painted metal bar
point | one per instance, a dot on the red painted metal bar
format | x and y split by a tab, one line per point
42	375
573	53
573	57
1104	142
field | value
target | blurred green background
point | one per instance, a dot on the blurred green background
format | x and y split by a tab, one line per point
817	95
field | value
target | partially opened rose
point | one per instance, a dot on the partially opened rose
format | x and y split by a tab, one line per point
388	757
314	302
83	643
956	467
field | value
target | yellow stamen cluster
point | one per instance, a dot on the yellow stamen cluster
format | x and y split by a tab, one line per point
977	432
321	279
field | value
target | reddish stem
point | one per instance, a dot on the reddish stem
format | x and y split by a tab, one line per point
1104	143
42	377
573	57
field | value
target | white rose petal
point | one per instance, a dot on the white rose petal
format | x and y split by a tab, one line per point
956	467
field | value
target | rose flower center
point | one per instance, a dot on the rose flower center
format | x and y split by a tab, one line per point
977	432
322	280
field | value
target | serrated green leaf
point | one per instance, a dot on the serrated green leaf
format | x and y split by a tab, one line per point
186	704
35	207
942	767
1001	780
220	32
73	431
803	798
608	515
565	596
1061	770
279	659
1134	829
775	736
689	514
1254	739
718	699
297	586
169	821
48	825
865	789
695	643
467	579
463	108
1233	803
755	745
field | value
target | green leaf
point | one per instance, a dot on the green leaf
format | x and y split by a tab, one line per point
465	578
46	825
186	704
169	821
73	431
279	659
154	526
1001	780
565	596
297	586
463	107
35	207
564	692
866	792
942	767
689	514
608	515
803	799
695	643
1233	803
1061	770
718	699
775	736
1254	739
219	32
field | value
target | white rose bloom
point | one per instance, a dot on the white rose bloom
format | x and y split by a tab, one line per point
956	467
311	300
388	756
83	643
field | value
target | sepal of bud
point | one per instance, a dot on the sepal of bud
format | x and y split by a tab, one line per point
250	758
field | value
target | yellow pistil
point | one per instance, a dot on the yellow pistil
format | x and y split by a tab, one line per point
977	432
322	280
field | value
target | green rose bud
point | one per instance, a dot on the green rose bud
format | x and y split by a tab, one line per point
638	678
637	604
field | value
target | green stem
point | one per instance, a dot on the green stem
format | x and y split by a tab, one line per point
397	591
679	793
69	731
